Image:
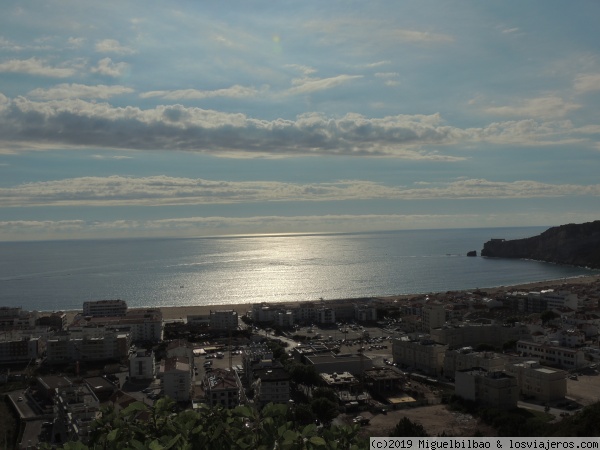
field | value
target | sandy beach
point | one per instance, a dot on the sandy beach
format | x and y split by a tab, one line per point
181	312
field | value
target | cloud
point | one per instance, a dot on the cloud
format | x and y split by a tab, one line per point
235	91
113	46
35	66
80	123
222	225
66	91
307	84
163	190
107	67
587	83
542	107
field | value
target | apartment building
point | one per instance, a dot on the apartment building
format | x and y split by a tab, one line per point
105	308
76	407
255	356
144	325
330	363
365	313
222	388
424	354
78	345
177	379
326	316
544	383
465	358
433	316
21	348
496	389
551	355
142	365
469	334
224	320
271	385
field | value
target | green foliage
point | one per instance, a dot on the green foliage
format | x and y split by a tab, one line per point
548	315
324	409
408	428
304	374
157	428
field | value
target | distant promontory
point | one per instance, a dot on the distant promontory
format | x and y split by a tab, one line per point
573	244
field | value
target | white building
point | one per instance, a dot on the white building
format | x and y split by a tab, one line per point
79	345
551	355
144	325
21	348
222	388
284	319
326	316
434	316
496	389
272	386
177	379
224	319
365	313
76	407
544	383
105	308
142	365
425	355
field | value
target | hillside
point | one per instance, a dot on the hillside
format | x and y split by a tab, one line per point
574	244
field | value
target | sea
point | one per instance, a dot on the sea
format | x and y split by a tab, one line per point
156	272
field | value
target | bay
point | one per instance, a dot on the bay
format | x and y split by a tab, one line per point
61	275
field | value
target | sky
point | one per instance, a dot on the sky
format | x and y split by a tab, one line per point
188	118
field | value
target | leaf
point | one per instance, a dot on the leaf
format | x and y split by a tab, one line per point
243	411
155	445
112	435
318	441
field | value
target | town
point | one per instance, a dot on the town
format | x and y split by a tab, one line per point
375	360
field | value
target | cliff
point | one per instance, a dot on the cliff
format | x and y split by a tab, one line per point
574	244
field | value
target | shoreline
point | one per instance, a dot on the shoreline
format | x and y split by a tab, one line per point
181	312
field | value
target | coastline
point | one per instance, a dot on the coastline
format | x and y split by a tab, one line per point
181	312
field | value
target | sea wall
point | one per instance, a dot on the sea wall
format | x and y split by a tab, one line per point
573	244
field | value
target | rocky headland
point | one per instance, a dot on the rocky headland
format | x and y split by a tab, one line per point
573	244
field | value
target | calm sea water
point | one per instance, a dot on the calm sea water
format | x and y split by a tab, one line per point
59	275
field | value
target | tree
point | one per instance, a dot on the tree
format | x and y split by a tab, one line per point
548	316
408	428
141	427
324	409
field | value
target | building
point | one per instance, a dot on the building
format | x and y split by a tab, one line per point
272	385
224	320
543	383
464	335
14	318
105	308
177	379
87	345
144	325
551	355
255	357
76	407
21	348
55	320
142	365
284	319
330	363
383	380
425	355
222	388
365	313
496	389
326	316
465	358
343	381
434	316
